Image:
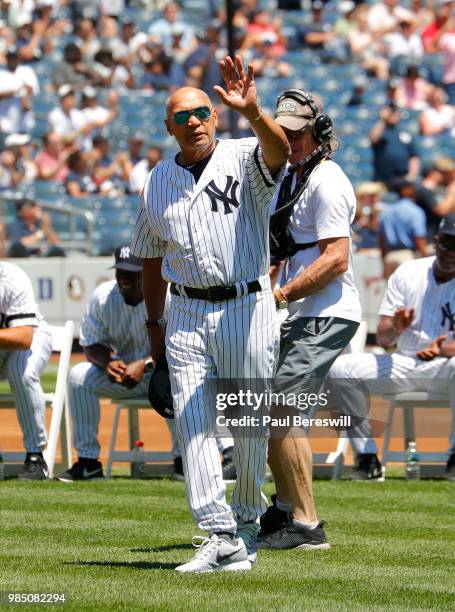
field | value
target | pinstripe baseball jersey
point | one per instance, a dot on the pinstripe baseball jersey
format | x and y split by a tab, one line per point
214	231
110	321
413	285
17	303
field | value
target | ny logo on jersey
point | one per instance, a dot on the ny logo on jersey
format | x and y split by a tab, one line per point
227	197
449	315
125	252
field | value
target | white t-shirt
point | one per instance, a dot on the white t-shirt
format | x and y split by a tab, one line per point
413	285
11	111
64	124
326	209
139	175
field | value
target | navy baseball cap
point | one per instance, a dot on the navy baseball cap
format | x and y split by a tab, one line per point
447	225
125	260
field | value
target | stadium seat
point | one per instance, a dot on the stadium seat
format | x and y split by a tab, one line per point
62	343
133	406
408	402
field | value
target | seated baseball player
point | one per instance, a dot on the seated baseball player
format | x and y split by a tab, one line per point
418	316
25	347
114	339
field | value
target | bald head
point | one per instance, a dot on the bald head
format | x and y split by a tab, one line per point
186	98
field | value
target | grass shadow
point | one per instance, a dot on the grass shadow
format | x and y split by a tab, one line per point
162	548
141	565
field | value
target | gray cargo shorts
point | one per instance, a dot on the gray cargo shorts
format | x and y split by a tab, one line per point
308	348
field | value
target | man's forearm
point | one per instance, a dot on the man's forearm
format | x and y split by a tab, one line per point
16	338
315	277
98	354
274	145
154	287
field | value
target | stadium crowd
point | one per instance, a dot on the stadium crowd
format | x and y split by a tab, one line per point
82	86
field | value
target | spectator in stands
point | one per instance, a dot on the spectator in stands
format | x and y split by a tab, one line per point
67	120
445	43
130	43
23	164
202	65
264	27
108	73
96	116
359	87
430	33
142	168
73	70
421	13
79	182
321	37
413	90
385	16
365	46
439	117
86	39
161	30
135	143
163	74
18	84
402	229
110	175
32	40
51	162
265	62
403	44
32	232
435	200
394	150
369	207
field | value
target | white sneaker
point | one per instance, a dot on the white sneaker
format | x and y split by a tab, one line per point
248	532
216	554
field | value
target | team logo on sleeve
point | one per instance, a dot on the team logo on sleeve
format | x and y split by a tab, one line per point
449	315
227	197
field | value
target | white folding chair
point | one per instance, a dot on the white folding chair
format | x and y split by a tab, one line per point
408	402
62	342
133	406
336	458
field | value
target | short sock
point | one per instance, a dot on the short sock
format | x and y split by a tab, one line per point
284	507
298	523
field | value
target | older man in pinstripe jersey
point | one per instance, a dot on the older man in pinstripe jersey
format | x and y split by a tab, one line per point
203	228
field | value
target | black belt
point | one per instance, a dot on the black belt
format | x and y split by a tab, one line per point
215	294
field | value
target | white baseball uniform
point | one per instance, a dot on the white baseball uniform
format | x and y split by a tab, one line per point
412	285
23	368
110	321
214	232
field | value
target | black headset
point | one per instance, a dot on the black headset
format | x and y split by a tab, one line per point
322	124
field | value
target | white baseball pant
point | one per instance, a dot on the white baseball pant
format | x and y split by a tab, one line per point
23	370
386	374
234	339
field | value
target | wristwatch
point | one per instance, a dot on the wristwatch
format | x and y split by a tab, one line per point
155	323
281	300
149	364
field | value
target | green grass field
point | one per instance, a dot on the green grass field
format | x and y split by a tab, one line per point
114	545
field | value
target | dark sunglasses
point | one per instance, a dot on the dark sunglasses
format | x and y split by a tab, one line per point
201	112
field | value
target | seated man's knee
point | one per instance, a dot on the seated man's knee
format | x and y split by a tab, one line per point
78	374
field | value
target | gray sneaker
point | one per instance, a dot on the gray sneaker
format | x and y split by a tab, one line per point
249	532
292	536
218	553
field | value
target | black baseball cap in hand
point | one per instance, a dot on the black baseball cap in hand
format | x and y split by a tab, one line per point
125	260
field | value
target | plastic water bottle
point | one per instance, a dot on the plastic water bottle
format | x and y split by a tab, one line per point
137	464
2	467
412	462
